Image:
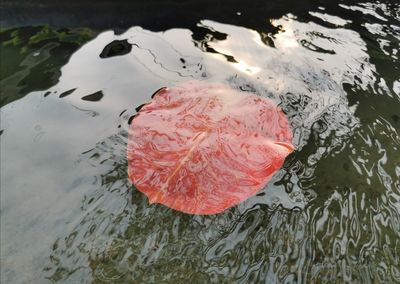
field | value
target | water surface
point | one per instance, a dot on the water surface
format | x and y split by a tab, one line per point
69	90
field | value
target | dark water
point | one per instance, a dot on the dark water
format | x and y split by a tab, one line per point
71	82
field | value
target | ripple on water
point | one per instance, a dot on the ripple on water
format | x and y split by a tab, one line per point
330	214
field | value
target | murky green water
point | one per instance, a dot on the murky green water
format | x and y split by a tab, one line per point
69	89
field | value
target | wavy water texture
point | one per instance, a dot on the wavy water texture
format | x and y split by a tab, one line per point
331	214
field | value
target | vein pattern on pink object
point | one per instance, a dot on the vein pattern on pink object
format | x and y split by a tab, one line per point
201	148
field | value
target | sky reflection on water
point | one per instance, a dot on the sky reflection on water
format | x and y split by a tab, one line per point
332	213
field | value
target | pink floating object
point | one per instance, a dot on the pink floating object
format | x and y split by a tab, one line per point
201	148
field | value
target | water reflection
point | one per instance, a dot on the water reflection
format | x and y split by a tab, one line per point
31	58
332	213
